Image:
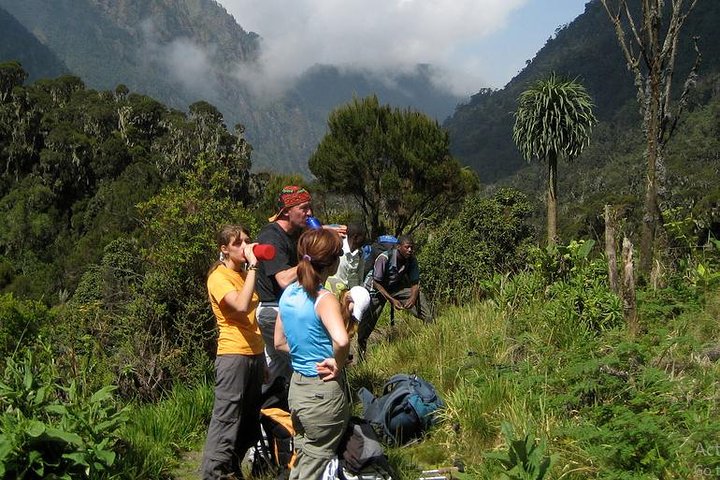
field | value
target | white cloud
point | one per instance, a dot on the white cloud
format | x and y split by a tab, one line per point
378	35
184	59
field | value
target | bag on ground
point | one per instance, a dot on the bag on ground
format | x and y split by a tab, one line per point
274	453
362	455
406	410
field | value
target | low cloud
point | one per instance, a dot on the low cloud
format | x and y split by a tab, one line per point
374	35
184	60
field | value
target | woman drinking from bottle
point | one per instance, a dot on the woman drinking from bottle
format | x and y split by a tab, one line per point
240	362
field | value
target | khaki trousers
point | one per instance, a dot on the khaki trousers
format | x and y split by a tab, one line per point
320	413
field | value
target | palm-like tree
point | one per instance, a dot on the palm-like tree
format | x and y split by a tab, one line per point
553	120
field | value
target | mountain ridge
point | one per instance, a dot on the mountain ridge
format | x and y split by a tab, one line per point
585	49
17	43
184	51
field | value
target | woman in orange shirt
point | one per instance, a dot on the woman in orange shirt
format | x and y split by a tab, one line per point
240	361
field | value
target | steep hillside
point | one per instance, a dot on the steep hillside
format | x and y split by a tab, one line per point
481	130
18	44
186	50
152	47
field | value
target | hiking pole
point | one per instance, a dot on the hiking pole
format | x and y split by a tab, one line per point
438	473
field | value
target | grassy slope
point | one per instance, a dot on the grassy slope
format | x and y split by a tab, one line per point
652	399
608	406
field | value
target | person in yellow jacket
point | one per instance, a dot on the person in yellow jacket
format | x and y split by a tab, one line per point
240	363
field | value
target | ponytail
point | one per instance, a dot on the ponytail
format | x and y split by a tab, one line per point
317	250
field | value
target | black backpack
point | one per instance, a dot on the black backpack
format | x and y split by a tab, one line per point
382	244
405	411
361	454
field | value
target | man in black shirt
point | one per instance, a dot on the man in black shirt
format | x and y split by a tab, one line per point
294	207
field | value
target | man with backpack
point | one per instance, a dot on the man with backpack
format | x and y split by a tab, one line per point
371	251
395	278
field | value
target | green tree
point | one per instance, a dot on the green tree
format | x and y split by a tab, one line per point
395	163
649	42
554	119
11	76
487	236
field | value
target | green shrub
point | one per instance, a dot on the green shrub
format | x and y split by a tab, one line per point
525	458
20	322
55	430
488	236
145	305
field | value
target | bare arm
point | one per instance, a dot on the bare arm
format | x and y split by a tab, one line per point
328	310
286	277
394	302
340	229
280	339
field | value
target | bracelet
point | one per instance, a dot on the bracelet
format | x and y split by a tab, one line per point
252	267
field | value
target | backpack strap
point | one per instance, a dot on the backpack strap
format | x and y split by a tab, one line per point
367	398
395	379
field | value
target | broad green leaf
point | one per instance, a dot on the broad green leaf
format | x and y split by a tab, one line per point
40	396
78	458
28	378
58	409
102	394
67	437
5	448
35	428
106	456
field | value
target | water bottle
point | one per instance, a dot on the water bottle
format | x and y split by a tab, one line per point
313	222
264	251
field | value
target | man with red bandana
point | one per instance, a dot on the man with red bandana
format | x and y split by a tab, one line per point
294	207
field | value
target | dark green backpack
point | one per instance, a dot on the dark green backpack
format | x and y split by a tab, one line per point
405	411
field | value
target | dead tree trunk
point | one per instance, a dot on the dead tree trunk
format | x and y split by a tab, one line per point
611	249
628	288
649	42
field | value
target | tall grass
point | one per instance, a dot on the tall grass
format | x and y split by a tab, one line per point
605	405
158	433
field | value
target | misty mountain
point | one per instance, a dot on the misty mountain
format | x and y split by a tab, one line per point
17	43
182	51
586	49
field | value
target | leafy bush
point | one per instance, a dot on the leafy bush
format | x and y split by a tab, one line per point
488	235
525	458
54	430
697	257
20	322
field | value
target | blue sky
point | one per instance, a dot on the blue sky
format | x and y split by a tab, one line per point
472	43
527	30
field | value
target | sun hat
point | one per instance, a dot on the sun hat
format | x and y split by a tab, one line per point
361	299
